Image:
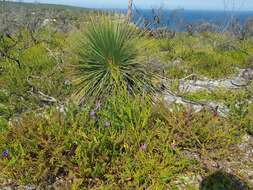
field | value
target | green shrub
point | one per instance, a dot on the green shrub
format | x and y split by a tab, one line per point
213	56
241	112
5	112
124	143
248	121
195	131
4	96
3	124
108	58
134	114
82	146
211	65
40	71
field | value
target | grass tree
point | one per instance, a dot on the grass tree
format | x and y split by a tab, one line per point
108	60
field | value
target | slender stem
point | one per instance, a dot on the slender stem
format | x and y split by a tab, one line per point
130	12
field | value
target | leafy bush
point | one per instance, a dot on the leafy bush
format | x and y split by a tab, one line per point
211	65
4	96
5	111
40	71
3	124
203	55
124	143
134	113
237	102
248	120
241	111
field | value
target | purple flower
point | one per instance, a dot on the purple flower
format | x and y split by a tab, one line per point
144	147
93	114
5	153
107	124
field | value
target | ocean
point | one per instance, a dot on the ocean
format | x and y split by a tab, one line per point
172	18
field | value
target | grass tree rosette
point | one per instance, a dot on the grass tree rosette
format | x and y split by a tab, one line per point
108	59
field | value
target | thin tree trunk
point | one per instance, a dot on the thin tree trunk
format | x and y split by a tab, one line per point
130	12
3	12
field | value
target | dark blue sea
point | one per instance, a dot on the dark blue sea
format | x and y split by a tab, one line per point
174	18
195	15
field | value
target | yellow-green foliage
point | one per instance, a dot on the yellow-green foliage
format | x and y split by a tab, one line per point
124	142
213	55
237	101
41	70
107	56
140	148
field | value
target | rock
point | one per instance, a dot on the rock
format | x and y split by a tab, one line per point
246	146
219	108
247	74
239	82
240	161
67	83
177	61
191	155
183	182
30	187
190	86
210	164
48	21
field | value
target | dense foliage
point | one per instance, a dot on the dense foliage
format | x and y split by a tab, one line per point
132	146
124	139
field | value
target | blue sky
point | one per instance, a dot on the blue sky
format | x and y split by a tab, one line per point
170	4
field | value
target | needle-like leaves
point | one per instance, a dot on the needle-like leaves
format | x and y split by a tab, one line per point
108	59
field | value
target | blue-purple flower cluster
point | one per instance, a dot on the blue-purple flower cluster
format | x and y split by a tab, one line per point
5	153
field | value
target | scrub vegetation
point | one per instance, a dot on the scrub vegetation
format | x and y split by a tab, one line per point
85	104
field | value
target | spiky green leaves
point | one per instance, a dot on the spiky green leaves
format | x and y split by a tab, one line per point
107	59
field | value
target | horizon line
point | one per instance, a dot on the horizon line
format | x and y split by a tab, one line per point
123	9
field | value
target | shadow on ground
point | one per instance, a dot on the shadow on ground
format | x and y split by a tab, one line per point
223	181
